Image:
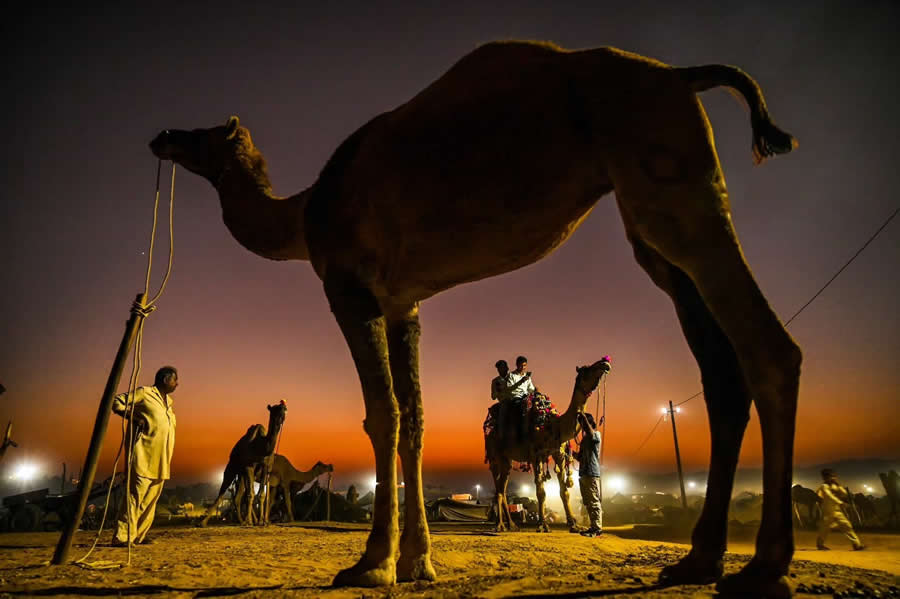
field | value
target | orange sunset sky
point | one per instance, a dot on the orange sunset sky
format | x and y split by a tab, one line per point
95	87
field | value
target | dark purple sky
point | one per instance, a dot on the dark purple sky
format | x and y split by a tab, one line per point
91	87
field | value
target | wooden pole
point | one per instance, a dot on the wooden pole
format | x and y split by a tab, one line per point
62	481
328	501
61	555
678	457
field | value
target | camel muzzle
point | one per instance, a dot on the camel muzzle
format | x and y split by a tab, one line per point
160	145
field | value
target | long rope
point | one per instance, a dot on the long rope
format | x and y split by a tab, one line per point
143	311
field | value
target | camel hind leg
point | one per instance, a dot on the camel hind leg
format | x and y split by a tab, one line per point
227	478
403	333
541	494
678	206
500	469
727	405
363	325
559	459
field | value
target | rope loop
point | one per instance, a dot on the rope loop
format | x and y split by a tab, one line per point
140	310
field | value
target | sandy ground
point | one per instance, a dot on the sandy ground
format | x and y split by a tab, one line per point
471	561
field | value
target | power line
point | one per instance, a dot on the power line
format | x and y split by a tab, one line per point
653	430
874	235
825	286
796	314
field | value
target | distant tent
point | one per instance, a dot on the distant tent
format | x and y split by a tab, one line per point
310	505
367	499
448	510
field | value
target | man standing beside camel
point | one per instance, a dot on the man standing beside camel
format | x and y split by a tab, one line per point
153	420
589	474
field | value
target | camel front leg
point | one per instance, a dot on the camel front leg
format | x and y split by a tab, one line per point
559	460
250	477
363	326
403	348
288	499
537	467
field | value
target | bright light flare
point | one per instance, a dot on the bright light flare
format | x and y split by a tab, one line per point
525	489
25	472
373	483
618	483
691	484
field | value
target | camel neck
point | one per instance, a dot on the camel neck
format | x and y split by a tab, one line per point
267	225
569	420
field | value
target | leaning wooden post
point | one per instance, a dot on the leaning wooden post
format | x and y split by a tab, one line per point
328	501
86	481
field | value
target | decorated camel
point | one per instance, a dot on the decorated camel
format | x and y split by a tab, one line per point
538	446
285	477
253	448
418	201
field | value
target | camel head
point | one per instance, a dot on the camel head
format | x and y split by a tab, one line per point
277	414
322	467
207	152
589	376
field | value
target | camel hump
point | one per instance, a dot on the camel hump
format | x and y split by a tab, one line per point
768	138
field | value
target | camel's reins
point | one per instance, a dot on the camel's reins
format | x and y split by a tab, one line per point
144	310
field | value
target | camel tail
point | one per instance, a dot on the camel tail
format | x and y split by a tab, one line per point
768	138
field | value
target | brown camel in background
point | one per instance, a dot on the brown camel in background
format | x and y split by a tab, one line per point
807	498
417	201
538	447
285	477
250	450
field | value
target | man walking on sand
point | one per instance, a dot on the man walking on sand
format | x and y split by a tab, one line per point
153	422
834	496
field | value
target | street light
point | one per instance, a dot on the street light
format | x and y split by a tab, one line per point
477	490
618	483
25	472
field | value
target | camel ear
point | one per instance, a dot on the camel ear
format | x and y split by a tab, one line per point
231	127
579	369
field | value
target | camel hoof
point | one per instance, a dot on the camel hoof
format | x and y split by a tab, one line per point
692	570
753	582
363	575
415	568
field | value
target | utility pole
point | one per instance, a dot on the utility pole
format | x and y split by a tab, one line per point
678	457
62	481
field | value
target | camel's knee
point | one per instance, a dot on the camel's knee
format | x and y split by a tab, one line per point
780	372
382	426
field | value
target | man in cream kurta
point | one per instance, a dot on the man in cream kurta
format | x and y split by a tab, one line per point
834	496
154	425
